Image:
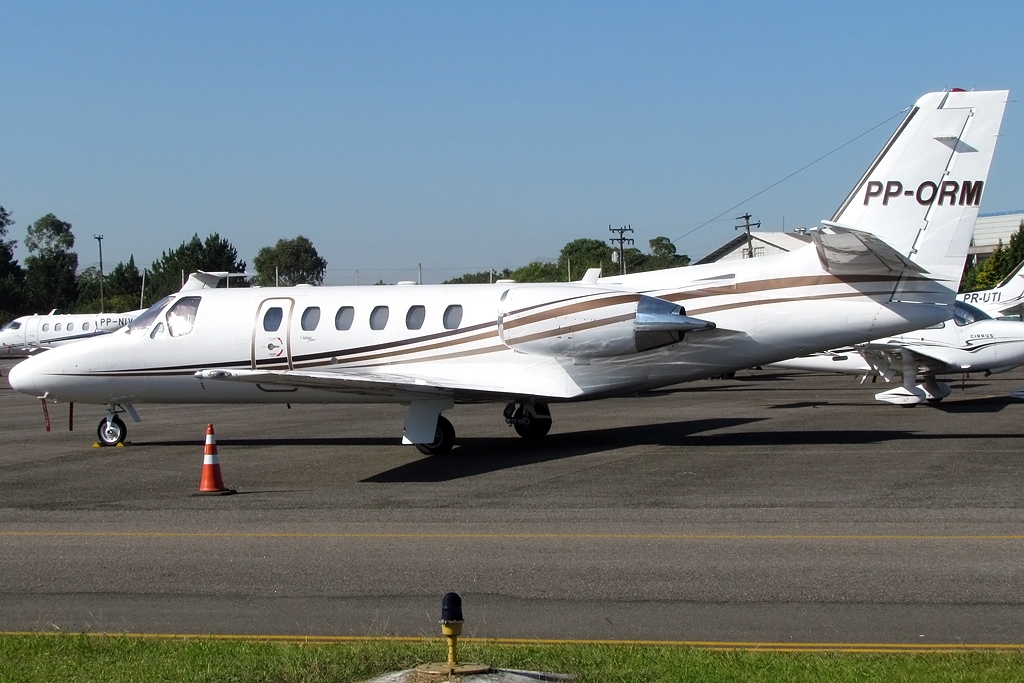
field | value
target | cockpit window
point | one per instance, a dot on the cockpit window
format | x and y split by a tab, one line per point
146	319
181	317
13	325
965	314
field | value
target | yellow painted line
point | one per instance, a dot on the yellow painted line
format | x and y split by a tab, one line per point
542	536
776	646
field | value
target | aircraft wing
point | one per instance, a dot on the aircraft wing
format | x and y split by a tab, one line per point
352	381
889	359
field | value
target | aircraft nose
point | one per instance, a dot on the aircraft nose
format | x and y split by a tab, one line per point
23	378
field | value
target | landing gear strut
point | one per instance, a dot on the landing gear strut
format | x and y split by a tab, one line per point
444	439
531	420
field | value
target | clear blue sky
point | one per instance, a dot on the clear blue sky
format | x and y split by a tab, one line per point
466	135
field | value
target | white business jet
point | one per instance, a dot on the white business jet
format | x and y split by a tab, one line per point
887	262
33	333
1004	300
971	342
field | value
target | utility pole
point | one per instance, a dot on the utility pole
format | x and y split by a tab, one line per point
99	240
748	225
419	276
622	240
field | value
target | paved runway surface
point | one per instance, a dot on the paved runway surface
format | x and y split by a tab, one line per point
769	507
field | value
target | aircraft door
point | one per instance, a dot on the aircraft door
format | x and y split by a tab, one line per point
271	334
32	331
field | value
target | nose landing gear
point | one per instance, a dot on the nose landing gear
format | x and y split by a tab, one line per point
531	420
111	431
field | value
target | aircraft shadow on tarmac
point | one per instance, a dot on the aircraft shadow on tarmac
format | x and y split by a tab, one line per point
481	456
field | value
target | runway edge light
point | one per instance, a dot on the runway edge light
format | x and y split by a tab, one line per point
451	629
212	483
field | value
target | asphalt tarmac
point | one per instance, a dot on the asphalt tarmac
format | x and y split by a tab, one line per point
771	507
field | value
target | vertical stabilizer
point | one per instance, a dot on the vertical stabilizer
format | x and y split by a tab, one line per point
921	194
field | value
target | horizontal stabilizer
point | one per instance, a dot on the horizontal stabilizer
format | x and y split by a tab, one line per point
844	251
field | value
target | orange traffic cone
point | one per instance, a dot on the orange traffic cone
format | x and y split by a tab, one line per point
212	484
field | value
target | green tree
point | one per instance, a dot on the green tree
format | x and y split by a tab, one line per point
989	272
168	272
579	255
663	255
539	271
995	268
482	277
12	275
288	263
51	265
1015	249
124	286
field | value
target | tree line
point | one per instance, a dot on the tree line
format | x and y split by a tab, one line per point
577	256
50	278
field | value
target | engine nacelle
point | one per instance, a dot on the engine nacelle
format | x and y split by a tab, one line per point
585	322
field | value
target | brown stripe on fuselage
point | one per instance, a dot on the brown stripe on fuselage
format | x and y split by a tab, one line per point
569	309
755	286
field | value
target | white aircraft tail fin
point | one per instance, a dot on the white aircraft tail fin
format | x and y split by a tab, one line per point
921	194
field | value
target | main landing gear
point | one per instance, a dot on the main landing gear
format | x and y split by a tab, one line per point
531	420
444	439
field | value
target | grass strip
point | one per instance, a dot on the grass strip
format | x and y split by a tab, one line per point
84	658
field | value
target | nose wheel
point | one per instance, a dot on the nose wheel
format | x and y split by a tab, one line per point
111	432
530	420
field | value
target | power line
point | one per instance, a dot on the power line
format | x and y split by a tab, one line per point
799	170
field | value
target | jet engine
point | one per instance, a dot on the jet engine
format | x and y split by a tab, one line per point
581	322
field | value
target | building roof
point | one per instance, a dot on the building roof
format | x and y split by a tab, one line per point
780	241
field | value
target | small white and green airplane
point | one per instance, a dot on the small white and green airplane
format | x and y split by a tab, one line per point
888	262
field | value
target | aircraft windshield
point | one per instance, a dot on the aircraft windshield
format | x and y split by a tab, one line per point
13	325
146	319
965	314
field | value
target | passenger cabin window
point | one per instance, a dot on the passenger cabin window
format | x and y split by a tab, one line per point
71	326
146	319
310	318
414	318
272	319
46	327
379	318
56	328
181	317
344	317
85	327
452	317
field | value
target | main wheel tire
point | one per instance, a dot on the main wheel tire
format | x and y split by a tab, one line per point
533	424
444	439
112	433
